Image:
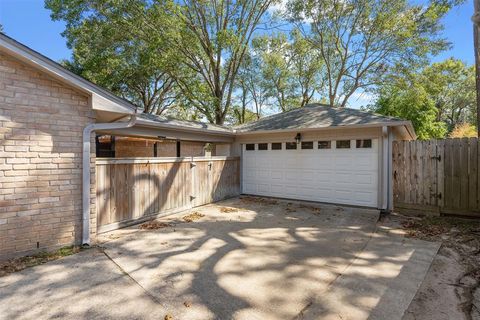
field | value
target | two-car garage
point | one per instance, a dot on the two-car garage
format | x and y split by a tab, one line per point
321	153
336	171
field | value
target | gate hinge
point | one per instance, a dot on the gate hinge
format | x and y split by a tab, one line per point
437	195
439	158
192	165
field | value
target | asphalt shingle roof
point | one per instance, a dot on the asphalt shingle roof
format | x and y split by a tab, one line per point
170	121
315	116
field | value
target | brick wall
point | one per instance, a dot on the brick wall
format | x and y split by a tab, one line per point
167	148
41	123
192	149
135	147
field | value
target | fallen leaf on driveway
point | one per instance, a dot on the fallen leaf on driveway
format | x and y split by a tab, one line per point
193	216
153	225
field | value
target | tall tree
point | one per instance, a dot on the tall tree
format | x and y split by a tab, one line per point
111	47
476	43
451	85
360	41
291	68
409	100
437	99
213	43
251	91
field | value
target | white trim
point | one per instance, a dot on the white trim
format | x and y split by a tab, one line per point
390	171
406	124
160	160
384	173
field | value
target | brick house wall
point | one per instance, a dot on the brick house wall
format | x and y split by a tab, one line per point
192	149
137	147
41	124
133	147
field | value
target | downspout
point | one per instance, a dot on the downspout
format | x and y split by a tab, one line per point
387	176
385	148
87	131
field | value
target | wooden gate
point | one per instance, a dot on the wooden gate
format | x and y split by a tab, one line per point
437	176
133	190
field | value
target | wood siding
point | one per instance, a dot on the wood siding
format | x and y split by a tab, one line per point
438	176
133	190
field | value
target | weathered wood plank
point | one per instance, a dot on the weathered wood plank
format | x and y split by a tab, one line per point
464	168
438	173
473	174
448	202
133	190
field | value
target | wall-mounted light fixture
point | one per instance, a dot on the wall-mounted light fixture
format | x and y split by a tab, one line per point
298	138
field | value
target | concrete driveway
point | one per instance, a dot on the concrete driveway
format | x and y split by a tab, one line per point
244	258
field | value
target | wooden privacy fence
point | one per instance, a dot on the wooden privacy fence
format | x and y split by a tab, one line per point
438	176
132	190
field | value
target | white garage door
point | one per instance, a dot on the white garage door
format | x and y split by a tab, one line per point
343	171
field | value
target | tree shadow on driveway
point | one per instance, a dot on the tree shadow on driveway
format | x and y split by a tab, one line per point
267	259
257	259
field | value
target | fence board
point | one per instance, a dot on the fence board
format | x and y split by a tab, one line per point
440	172
473	172
137	190
438	175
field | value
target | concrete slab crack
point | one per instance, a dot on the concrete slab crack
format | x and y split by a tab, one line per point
150	295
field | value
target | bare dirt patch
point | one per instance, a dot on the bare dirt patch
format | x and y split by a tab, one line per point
451	289
193	216
154	225
18	264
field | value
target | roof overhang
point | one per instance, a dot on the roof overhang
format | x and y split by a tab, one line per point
150	129
101	99
402	125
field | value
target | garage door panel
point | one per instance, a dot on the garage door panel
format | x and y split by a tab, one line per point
344	176
262	175
306	176
264	188
276	175
365	179
291	190
290	176
277	189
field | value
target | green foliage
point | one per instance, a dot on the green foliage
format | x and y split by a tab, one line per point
451	84
290	67
436	99
112	47
362	41
414	104
213	41
208	60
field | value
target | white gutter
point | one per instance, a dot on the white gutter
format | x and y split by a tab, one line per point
87	131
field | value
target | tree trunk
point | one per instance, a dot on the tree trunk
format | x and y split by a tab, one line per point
476	41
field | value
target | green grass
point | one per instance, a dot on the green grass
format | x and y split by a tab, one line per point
17	264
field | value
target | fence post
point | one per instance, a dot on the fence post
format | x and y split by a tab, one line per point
193	165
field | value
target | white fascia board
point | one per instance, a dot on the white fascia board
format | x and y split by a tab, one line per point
407	124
